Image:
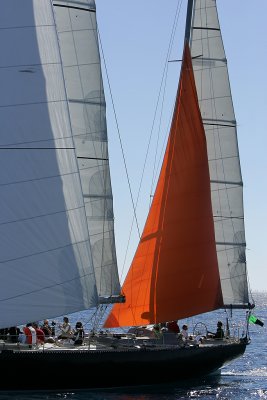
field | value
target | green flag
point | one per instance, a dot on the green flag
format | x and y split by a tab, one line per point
255	320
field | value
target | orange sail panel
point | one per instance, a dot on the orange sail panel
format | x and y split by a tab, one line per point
174	273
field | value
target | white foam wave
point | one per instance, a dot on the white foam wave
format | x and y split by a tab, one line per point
260	372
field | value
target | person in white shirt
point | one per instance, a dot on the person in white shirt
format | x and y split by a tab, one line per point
66	331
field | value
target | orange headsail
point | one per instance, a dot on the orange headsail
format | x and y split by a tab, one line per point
174	273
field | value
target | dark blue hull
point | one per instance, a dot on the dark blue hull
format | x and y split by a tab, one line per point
63	370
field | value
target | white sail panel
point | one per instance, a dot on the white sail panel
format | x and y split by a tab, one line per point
45	262
77	31
211	75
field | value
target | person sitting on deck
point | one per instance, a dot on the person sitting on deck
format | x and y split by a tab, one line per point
78	335
173	327
3	333
157	331
163	327
66	332
48	331
14	332
46	328
184	331
219	334
30	334
40	336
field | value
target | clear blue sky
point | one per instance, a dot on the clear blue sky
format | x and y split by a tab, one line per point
135	38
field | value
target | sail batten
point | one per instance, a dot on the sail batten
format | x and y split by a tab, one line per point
71	6
227	182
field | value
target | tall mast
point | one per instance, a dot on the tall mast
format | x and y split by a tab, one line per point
188	20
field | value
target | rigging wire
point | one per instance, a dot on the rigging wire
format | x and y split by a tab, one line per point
162	85
119	134
164	79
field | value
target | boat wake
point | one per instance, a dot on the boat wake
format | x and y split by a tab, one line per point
257	372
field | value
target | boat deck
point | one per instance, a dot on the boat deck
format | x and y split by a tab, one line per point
110	343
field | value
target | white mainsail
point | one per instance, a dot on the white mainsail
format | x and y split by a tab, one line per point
46	264
78	40
211	75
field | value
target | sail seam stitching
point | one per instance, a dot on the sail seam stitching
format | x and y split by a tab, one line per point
40	179
67	210
46	251
79	277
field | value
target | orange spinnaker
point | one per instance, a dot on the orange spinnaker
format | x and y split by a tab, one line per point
174	273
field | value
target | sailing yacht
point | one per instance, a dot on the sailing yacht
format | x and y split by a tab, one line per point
58	251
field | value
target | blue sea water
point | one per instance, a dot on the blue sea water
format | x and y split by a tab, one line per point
243	379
